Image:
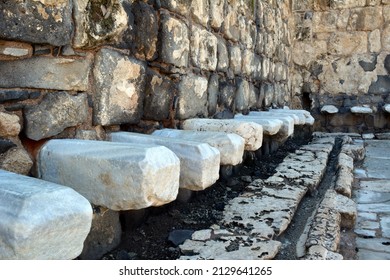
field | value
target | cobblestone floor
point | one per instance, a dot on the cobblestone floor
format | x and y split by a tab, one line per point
372	196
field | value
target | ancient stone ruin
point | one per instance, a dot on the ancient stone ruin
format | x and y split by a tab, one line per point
111	107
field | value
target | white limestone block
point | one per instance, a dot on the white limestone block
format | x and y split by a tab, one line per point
230	146
270	127
361	110
199	162
386	107
309	120
250	131
41	220
118	176
329	109
287	128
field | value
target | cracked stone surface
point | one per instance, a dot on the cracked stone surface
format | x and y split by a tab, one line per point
264	211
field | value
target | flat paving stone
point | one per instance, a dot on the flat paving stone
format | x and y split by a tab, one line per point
250	131
365	233
368	225
41	220
374	208
385	226
382	186
118	176
364	254
230	146
367	216
377	167
364	196
199	162
381	245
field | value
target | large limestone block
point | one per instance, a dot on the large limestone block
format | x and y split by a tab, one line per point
56	112
41	220
175	43
230	146
192	97
37	21
287	128
270	127
199	162
117	176
204	46
119	88
250	131
9	125
98	22
46	73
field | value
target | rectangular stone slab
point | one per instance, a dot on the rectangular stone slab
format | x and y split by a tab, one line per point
270	127
250	131
118	176
287	128
199	162
230	146
41	220
304	116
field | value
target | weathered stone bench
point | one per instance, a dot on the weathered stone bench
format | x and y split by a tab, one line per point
250	131
230	146
304	116
199	162
41	220
118	176
270	126
287	128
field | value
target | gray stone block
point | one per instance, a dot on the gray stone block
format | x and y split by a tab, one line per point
41	220
98	22
56	112
104	236
145	43
46	73
42	22
119	88
192	97
175	43
159	93
199	162
204	47
118	176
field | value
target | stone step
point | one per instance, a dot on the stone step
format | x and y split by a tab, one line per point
41	220
230	146
199	162
250	131
118	176
253	220
305	117
286	129
270	126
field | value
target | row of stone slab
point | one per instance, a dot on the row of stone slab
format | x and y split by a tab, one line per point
132	171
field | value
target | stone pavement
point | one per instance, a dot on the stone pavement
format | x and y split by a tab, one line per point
372	196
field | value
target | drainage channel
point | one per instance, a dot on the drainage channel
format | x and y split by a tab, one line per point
290	239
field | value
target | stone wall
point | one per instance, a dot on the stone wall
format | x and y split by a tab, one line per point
342	58
82	68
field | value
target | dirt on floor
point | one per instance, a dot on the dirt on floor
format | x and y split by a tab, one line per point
154	233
